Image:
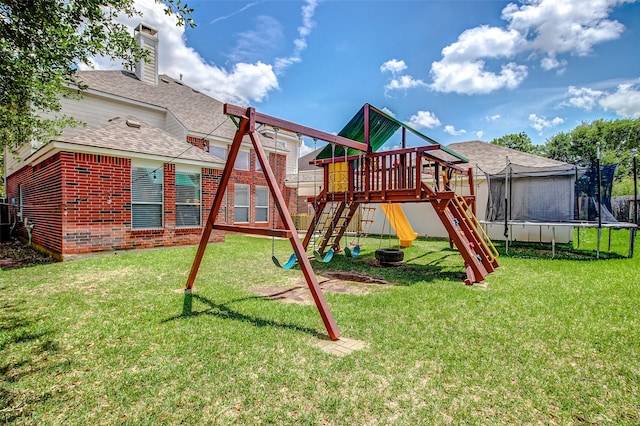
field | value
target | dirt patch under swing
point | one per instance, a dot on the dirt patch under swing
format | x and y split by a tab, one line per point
354	283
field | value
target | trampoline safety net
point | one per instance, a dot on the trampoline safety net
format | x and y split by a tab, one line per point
561	193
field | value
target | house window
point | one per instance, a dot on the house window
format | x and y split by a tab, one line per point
218	151
146	197
258	165
188	197
242	161
241	202
262	204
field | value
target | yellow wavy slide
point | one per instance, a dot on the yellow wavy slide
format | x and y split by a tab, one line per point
400	224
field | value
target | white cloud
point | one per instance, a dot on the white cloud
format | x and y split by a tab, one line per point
388	111
399	81
479	134
300	43
534	28
573	26
304	150
551	63
222	18
541	123
424	119
492	117
463	68
452	130
393	66
404	82
255	44
242	82
472	78
625	101
483	42
584	97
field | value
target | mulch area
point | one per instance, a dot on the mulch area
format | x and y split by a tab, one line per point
335	282
15	254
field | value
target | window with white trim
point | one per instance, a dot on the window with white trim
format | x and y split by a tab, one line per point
218	151
242	161
241	203
262	204
188	199
258	165
146	197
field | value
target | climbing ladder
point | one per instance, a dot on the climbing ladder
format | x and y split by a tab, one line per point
331	224
366	219
477	250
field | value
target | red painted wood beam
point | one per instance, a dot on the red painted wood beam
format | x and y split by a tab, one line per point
299	250
267	232
243	129
257	117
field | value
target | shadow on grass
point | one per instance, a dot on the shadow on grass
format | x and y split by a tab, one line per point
427	267
25	350
224	312
543	251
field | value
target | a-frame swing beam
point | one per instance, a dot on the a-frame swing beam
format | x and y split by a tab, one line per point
257	117
247	126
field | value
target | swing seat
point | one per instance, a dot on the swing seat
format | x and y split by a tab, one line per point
327	257
292	261
352	253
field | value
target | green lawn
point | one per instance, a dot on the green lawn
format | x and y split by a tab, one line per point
109	340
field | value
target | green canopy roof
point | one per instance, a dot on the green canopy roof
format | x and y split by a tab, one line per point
381	128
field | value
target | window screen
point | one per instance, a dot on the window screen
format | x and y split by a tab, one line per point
146	197
219	152
241	203
188	197
242	161
262	204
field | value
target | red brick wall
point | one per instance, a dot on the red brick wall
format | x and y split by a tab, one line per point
255	178
42	201
81	203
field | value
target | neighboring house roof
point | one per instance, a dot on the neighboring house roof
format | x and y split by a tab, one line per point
196	111
132	135
303	162
492	158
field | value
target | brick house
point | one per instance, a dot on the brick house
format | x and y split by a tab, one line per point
144	170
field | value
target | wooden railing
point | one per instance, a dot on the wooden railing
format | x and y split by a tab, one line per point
398	172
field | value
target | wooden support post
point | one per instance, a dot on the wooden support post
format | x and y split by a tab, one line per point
217	200
305	265
247	126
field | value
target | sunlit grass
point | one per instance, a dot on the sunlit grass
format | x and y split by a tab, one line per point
112	340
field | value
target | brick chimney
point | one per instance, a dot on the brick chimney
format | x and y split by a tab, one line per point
147	37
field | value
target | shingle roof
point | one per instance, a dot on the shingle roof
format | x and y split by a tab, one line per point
492	158
196	111
303	162
132	135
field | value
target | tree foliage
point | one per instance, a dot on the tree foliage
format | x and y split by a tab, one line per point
617	139
41	43
518	141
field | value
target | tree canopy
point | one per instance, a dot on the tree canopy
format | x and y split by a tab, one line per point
41	43
518	141
617	139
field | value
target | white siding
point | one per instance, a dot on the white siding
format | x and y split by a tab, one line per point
97	111
174	127
13	162
292	156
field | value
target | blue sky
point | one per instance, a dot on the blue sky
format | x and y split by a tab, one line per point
455	70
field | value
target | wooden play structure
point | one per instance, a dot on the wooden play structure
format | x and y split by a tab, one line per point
354	174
